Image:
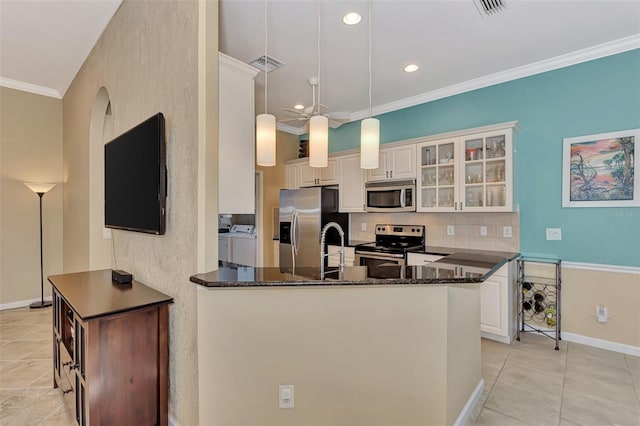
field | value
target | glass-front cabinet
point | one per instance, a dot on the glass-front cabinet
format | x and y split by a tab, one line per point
438	175
467	173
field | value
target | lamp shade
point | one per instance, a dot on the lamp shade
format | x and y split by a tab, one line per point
40	188
266	140
369	143
318	141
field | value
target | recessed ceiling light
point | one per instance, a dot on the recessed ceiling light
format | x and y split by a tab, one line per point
351	18
411	68
299	106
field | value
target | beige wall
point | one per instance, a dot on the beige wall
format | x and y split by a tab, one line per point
370	355
273	182
30	151
583	290
148	61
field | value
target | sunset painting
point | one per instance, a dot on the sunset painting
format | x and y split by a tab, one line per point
601	169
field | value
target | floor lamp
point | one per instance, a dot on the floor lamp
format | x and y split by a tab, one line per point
40	189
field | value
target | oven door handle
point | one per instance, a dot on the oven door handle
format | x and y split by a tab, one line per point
372	255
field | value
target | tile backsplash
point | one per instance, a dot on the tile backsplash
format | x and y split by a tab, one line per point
466	227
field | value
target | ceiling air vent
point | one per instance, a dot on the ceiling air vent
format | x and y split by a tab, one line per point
490	7
266	63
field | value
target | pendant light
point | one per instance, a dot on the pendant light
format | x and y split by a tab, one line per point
369	127
265	123
318	125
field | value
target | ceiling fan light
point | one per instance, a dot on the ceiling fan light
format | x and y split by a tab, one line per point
318	141
266	140
369	143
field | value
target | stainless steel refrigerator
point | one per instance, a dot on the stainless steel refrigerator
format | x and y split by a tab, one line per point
303	214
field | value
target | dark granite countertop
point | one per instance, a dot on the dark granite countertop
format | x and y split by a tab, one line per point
458	267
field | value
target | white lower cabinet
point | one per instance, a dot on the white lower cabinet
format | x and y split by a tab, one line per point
334	256
497	296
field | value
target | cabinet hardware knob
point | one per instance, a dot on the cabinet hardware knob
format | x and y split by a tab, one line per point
455	205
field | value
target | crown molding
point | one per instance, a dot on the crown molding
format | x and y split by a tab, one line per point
591	53
28	87
233	64
291	129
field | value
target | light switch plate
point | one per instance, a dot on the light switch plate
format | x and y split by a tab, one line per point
106	233
506	232
363	226
451	230
483	231
554	234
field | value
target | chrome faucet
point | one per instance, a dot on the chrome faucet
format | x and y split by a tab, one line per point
323	244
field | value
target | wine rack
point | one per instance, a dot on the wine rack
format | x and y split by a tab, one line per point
539	290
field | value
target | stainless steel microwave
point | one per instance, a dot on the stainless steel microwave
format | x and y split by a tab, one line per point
390	196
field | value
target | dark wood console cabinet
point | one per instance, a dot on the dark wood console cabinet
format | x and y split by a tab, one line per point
111	349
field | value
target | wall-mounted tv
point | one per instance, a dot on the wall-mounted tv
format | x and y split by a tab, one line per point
135	178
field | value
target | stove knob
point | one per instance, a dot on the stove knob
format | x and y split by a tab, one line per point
413	229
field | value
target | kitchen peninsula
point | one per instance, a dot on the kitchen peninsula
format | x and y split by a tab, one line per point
374	346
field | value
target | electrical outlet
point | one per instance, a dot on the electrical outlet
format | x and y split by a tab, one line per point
285	396
106	233
506	232
451	230
602	315
483	231
363	226
554	234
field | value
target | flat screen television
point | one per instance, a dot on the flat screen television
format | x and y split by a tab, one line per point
135	178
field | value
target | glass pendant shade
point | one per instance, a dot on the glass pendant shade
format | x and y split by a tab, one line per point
40	188
266	140
369	143
318	141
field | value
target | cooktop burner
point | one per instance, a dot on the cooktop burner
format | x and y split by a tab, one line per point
396	239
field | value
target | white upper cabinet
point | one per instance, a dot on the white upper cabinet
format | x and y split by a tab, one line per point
467	173
351	178
236	137
291	178
316	176
395	163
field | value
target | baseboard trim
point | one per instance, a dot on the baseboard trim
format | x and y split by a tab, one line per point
21	303
602	344
496	337
466	411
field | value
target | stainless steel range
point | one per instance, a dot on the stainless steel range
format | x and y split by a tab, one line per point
392	244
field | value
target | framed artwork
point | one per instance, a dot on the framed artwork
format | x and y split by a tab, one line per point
599	170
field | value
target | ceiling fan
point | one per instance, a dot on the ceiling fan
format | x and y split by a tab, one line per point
336	119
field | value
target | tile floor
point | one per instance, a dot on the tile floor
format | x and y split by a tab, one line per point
526	383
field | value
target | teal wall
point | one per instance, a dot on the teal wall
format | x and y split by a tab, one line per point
594	97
